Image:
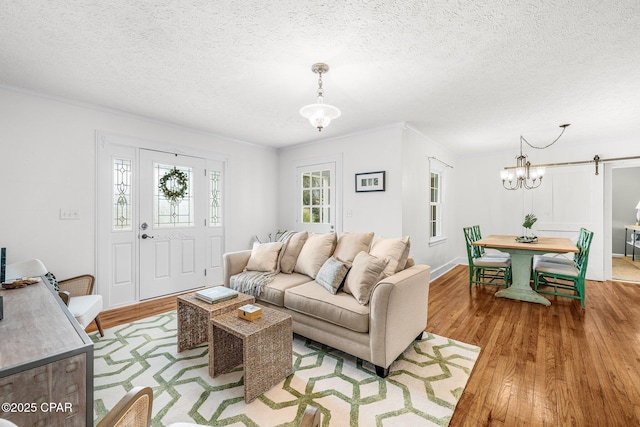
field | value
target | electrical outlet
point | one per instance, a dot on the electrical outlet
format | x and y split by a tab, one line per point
69	213
348	213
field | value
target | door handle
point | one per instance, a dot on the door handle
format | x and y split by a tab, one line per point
146	236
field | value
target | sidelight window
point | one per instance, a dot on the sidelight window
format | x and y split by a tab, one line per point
215	198
121	194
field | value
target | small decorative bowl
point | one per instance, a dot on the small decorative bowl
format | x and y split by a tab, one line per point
526	239
19	283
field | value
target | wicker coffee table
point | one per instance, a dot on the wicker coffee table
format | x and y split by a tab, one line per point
264	346
194	316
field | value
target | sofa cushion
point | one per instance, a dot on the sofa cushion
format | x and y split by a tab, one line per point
273	292
316	250
557	268
340	309
396	250
264	256
365	272
332	274
351	244
292	250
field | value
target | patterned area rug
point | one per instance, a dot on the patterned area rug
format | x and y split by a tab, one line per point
422	389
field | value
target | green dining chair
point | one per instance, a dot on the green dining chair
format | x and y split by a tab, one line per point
562	258
562	279
486	268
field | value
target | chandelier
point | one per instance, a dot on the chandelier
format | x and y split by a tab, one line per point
320	114
526	175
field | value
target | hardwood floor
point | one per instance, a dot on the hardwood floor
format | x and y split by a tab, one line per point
119	316
539	366
544	366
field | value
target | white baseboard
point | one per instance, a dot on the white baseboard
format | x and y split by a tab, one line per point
437	272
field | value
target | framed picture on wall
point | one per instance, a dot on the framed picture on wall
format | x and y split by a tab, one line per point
370	181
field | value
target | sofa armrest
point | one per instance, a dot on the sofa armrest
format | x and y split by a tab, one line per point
234	263
398	313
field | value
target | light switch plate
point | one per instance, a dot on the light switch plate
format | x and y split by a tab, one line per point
69	213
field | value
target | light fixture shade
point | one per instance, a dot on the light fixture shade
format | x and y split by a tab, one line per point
638	205
320	115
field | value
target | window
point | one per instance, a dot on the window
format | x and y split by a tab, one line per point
436	205
316	197
172	213
215	198
121	194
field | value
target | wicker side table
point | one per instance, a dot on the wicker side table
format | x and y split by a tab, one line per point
264	346
194	316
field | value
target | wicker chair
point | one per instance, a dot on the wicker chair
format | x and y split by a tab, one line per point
134	410
312	417
77	295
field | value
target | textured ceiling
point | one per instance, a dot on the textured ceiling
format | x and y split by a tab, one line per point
471	75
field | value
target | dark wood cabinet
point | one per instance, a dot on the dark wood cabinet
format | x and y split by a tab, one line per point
46	361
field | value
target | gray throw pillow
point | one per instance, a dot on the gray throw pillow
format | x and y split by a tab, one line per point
332	274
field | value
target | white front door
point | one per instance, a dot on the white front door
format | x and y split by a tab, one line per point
173	223
316	196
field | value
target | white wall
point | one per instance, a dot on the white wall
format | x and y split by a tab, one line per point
375	150
402	209
47	152
48	163
416	151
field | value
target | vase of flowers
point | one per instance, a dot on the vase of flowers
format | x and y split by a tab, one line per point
528	237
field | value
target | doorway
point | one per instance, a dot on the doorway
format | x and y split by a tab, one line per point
160	227
625	196
316	189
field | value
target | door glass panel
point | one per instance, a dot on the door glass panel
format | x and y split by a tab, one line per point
121	194
178	211
215	198
315	197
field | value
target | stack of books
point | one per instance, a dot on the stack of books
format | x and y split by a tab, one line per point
216	294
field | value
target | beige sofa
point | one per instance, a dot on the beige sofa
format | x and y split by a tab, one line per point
376	329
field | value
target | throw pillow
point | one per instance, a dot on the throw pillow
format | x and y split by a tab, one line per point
396	250
53	281
332	274
365	272
350	244
291	251
316	250
264	257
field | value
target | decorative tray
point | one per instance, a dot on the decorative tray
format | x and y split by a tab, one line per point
526	239
20	283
